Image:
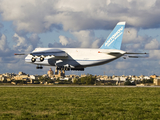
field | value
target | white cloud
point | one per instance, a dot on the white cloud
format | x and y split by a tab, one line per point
1	25
4	48
85	37
40	16
95	44
122	65
153	45
132	41
131	36
34	40
154	54
22	44
3	41
82	39
6	53
63	40
28	15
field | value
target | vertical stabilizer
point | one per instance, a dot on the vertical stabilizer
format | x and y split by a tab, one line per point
114	40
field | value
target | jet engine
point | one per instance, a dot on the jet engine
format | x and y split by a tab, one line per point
41	59
33	59
38	59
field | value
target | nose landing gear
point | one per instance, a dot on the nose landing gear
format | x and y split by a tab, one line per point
39	67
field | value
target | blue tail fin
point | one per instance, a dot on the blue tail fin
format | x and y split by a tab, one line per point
114	40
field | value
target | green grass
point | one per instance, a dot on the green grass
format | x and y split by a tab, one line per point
79	103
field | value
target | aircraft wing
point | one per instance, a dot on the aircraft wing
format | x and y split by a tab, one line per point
44	53
56	53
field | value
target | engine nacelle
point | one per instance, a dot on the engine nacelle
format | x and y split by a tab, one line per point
39	59
33	59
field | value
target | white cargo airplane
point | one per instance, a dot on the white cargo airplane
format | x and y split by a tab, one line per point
80	58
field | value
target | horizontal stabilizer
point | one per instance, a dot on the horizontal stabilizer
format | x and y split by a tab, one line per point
137	56
135	53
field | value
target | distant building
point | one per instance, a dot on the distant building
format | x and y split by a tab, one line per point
83	75
153	76
60	73
21	73
45	76
120	79
34	77
157	81
66	78
2	78
146	78
21	77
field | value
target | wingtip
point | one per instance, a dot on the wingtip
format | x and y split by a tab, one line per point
19	54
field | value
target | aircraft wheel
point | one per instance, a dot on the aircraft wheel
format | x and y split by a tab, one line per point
37	67
41	67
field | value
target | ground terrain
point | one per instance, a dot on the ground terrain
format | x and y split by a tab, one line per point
79	103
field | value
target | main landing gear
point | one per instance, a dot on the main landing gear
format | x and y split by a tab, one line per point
39	67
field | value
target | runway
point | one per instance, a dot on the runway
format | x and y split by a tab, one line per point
75	86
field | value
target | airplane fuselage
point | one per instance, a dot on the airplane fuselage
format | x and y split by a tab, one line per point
76	57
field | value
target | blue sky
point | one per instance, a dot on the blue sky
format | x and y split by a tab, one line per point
63	23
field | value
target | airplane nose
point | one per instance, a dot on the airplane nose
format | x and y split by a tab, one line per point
28	59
